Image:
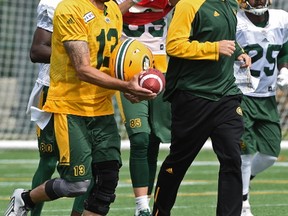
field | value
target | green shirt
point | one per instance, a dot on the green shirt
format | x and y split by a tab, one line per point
192	44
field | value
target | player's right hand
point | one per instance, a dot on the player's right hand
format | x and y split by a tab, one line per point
227	47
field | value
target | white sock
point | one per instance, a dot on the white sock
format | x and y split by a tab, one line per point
261	162
141	203
148	199
246	172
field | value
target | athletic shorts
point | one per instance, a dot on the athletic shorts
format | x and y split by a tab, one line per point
46	137
146	116
85	140
262	127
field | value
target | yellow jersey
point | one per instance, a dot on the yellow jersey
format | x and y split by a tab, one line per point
101	29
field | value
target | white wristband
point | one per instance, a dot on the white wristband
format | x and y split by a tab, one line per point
136	1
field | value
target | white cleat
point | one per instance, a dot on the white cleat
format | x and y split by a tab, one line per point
16	205
246	210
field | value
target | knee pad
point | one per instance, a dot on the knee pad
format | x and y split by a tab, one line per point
139	145
56	188
102	194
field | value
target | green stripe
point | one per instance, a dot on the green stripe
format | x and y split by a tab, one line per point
120	58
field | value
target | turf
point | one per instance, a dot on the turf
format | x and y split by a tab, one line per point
197	195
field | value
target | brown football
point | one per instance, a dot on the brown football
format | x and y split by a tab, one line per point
153	80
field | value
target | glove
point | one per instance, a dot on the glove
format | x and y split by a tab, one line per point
282	79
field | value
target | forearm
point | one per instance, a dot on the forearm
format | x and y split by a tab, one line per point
92	75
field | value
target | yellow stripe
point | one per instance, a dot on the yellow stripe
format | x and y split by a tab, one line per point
160	63
120	106
40	106
62	137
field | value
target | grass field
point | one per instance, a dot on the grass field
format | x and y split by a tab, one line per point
197	194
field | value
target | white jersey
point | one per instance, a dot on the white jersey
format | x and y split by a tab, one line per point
263	46
153	35
45	13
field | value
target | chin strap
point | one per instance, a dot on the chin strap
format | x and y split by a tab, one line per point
256	11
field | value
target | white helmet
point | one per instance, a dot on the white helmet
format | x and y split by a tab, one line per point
245	5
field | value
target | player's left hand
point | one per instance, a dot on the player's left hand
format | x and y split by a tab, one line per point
246	59
136	93
282	79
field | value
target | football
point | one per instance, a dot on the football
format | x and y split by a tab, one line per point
153	80
128	58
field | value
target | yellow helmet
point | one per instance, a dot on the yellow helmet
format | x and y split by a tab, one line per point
246	6
130	57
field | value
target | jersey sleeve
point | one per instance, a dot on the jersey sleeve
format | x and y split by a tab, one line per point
178	43
282	58
45	14
43	19
70	24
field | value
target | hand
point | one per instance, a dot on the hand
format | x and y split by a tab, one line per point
227	47
136	93
246	59
282	79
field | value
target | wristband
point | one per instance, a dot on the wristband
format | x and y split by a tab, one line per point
136	1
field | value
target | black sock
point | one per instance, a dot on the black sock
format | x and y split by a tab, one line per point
27	200
245	197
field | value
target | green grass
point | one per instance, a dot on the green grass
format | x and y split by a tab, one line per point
197	194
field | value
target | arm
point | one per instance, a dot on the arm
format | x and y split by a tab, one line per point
282	64
40	50
282	58
78	52
180	45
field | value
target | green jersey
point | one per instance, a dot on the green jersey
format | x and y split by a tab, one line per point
195	64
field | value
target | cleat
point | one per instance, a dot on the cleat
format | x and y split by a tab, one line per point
246	210
144	212
16	205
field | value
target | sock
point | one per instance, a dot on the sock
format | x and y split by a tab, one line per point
246	172
148	199
245	197
142	203
27	200
261	162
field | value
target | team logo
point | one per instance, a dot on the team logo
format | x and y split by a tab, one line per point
169	170
239	111
88	17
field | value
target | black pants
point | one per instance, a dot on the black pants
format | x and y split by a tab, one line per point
194	120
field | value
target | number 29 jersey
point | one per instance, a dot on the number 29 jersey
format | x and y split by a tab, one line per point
263	45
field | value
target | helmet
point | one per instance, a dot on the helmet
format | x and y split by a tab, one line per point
245	5
128	58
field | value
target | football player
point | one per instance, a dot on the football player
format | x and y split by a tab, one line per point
147	123
263	33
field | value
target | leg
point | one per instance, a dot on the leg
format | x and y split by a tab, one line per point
48	160
188	137
136	118
22	201
102	194
261	162
138	161
226	144
43	173
153	151
246	173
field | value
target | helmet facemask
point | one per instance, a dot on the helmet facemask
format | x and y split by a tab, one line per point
245	5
